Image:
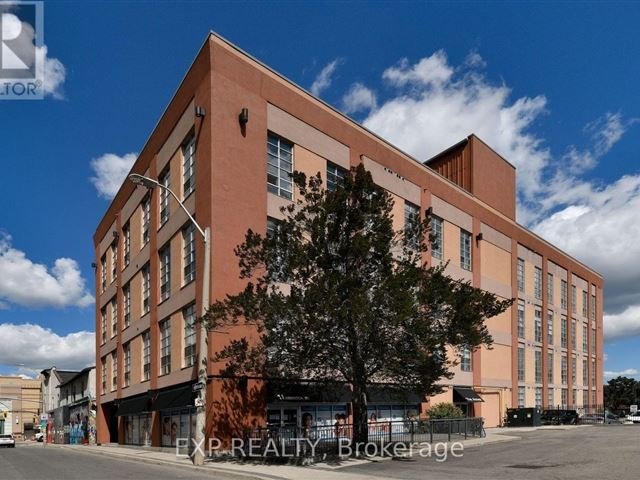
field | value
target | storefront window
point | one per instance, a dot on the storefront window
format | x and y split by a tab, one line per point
177	424
137	429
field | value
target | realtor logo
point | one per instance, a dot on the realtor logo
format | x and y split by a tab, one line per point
21	39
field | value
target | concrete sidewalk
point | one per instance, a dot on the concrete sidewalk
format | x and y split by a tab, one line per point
264	471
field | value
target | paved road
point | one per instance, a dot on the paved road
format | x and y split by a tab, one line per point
35	462
596	452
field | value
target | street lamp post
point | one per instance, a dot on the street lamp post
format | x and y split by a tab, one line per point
203	347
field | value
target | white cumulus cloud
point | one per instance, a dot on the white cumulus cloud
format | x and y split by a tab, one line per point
35	348
628	372
324	78
358	98
31	284
110	171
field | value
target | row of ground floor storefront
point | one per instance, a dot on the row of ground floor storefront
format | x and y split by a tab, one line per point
159	418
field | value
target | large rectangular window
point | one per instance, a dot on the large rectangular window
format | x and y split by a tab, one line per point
114	317
188	166
411	219
585	303
521	364
538	325
593	372
537	283
521	320
593	341
126	241
165	272
189	318
103	324
114	371
563	294
565	397
437	232
563	332
550	327
521	396
146	356
585	338
126	296
165	347
165	181
574	365
279	166
585	372
465	250
189	252
573	334
335	176
127	364
538	397
549	288
563	369
114	261
550	399
103	368
146	219
593	307
520	274
574	299
550	368
538	366
465	359
103	273
146	288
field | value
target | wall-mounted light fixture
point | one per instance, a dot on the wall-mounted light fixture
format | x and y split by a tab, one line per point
478	237
243	118
116	235
428	211
200	111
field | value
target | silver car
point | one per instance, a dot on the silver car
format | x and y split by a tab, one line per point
7	440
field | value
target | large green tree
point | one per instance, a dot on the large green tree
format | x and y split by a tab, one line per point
335	294
620	392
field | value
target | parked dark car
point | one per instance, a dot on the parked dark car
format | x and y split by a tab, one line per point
559	417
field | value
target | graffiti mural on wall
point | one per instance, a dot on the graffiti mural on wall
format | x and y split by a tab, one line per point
72	425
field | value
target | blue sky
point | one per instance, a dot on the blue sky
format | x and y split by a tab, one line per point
550	86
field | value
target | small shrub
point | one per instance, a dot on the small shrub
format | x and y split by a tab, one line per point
444	410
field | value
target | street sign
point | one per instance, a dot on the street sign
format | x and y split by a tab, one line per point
633	408
196	387
44	417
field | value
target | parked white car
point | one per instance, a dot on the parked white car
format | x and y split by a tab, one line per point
7	440
634	417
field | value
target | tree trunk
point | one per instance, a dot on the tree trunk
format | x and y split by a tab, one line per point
360	420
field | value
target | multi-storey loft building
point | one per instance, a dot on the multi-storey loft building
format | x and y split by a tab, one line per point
234	175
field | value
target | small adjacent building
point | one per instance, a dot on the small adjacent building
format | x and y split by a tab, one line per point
20	406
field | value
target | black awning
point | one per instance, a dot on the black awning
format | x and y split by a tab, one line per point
466	394
281	391
134	405
392	394
176	397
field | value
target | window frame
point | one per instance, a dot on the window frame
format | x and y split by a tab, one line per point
165	346
189	335
165	272
188	253
189	165
276	160
466	246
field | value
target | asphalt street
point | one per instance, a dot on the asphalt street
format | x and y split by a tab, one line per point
35	462
596	452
